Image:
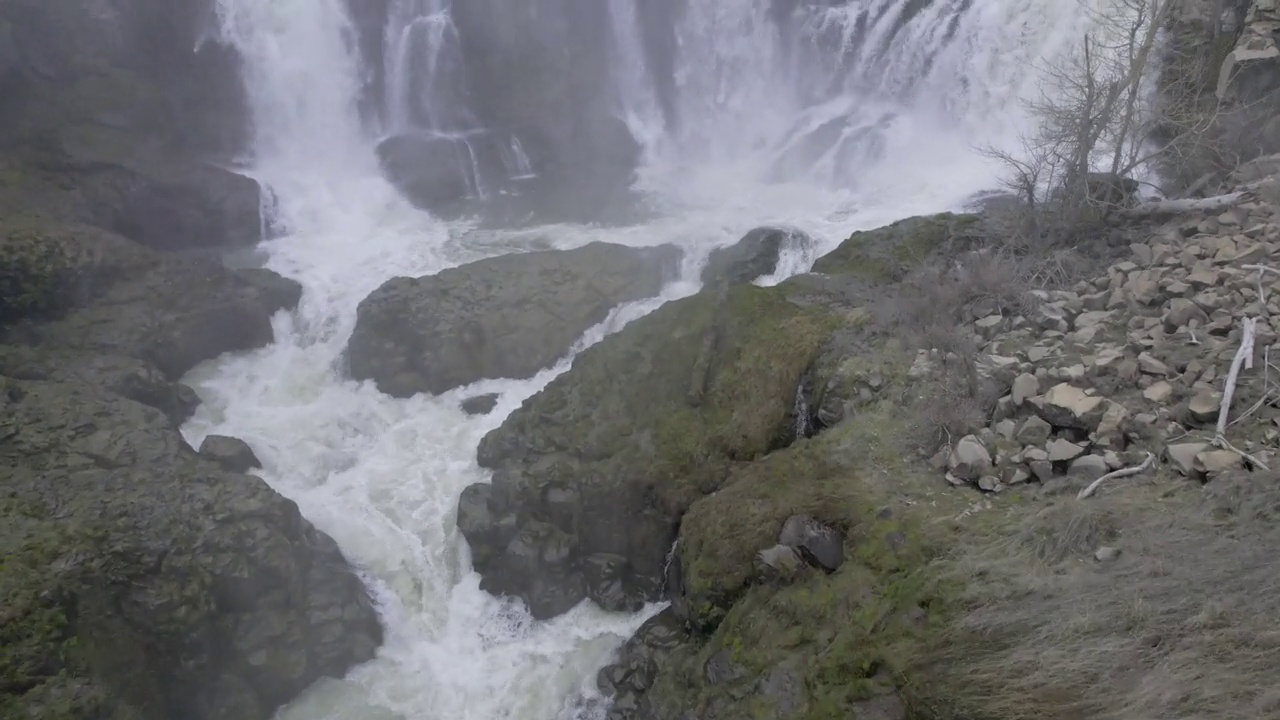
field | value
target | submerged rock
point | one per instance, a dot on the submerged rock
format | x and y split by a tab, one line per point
503	317
141	580
593	473
480	404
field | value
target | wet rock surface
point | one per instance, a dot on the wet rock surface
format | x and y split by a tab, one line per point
155	581
140	579
799	574
754	256
504	317
233	454
592	474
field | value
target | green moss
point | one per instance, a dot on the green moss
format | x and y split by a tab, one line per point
696	384
853	635
33	270
884	254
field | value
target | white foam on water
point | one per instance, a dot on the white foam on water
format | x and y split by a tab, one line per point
381	475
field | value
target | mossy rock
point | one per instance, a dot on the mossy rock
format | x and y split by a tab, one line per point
812	645
138	580
885	254
614	451
815	645
47	267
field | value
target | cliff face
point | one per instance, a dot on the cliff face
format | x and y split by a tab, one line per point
138	578
114	114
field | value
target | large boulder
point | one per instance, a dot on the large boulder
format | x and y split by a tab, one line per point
132	378
49	267
178	207
754	256
503	317
141	580
592	474
432	171
113	115
885	254
104	295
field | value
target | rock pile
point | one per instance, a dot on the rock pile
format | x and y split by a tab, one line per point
1133	361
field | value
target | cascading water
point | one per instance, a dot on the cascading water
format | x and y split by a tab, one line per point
427	95
426	82
753	97
635	94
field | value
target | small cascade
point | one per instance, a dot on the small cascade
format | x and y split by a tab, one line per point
475	176
670	566
426	83
516	160
269	222
803	423
635	96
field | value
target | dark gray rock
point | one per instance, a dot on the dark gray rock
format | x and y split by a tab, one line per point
504	317
605	460
819	544
194	591
430	170
721	668
180	313
174	207
480	404
638	663
755	255
137	380
606	579
233	454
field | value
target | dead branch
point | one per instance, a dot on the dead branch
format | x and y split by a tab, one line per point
1116	475
1244	357
1189	205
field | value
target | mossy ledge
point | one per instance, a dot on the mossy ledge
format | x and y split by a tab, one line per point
1148	599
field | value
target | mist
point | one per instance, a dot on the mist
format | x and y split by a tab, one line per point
418	359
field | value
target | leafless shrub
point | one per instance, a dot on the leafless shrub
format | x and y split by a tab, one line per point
929	312
1094	125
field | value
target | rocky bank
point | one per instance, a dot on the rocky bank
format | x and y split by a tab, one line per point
140	578
757	470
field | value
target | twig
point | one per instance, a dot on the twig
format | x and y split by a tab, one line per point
1261	269
1221	442
1114	475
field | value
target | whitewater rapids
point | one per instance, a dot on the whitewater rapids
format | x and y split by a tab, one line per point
381	475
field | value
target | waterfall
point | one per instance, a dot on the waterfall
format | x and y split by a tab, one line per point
424	69
827	117
635	92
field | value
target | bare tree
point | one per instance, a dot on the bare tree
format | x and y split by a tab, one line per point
1093	125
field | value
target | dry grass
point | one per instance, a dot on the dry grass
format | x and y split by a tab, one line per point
1183	625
